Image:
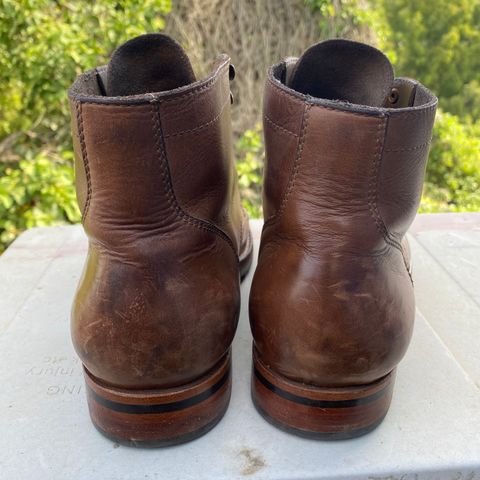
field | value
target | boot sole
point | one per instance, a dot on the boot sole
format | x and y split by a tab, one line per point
320	413
163	417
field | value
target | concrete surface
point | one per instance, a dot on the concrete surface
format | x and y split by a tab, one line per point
431	432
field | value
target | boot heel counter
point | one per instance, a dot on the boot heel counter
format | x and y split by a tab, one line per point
161	321
347	322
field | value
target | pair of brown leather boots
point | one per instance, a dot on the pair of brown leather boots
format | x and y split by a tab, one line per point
331	304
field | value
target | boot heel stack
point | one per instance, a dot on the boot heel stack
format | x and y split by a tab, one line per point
150	418
322	413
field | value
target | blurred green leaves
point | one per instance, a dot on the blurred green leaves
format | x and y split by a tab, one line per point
437	42
44	45
453	172
37	192
250	157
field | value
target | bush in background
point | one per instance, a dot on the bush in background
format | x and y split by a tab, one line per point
250	156
45	44
438	42
453	172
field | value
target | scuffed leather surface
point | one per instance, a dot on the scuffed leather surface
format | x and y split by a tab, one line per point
158	302
332	302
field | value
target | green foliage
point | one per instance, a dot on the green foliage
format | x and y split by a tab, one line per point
341	18
250	156
453	173
37	192
45	44
438	42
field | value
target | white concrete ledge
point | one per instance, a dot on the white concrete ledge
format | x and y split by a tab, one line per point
431	432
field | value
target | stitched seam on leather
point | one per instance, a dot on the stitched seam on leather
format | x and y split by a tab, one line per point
413	113
418	110
211	83
279	127
373	191
116	105
317	105
294	171
417	147
348	112
282	91
373	185
167	181
200	127
83	146
221	71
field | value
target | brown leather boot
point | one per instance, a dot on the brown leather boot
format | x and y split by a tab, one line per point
332	305
157	307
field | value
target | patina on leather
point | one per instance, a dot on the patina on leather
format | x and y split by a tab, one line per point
332	300
158	302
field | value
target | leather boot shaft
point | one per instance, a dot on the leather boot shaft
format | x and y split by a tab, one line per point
332	300
159	299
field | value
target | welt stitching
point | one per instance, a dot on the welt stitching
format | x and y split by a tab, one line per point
417	147
294	172
203	125
177	209
86	164
279	127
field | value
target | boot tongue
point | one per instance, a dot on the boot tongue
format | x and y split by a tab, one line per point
148	63
344	70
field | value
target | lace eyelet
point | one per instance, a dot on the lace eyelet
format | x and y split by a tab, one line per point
394	96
